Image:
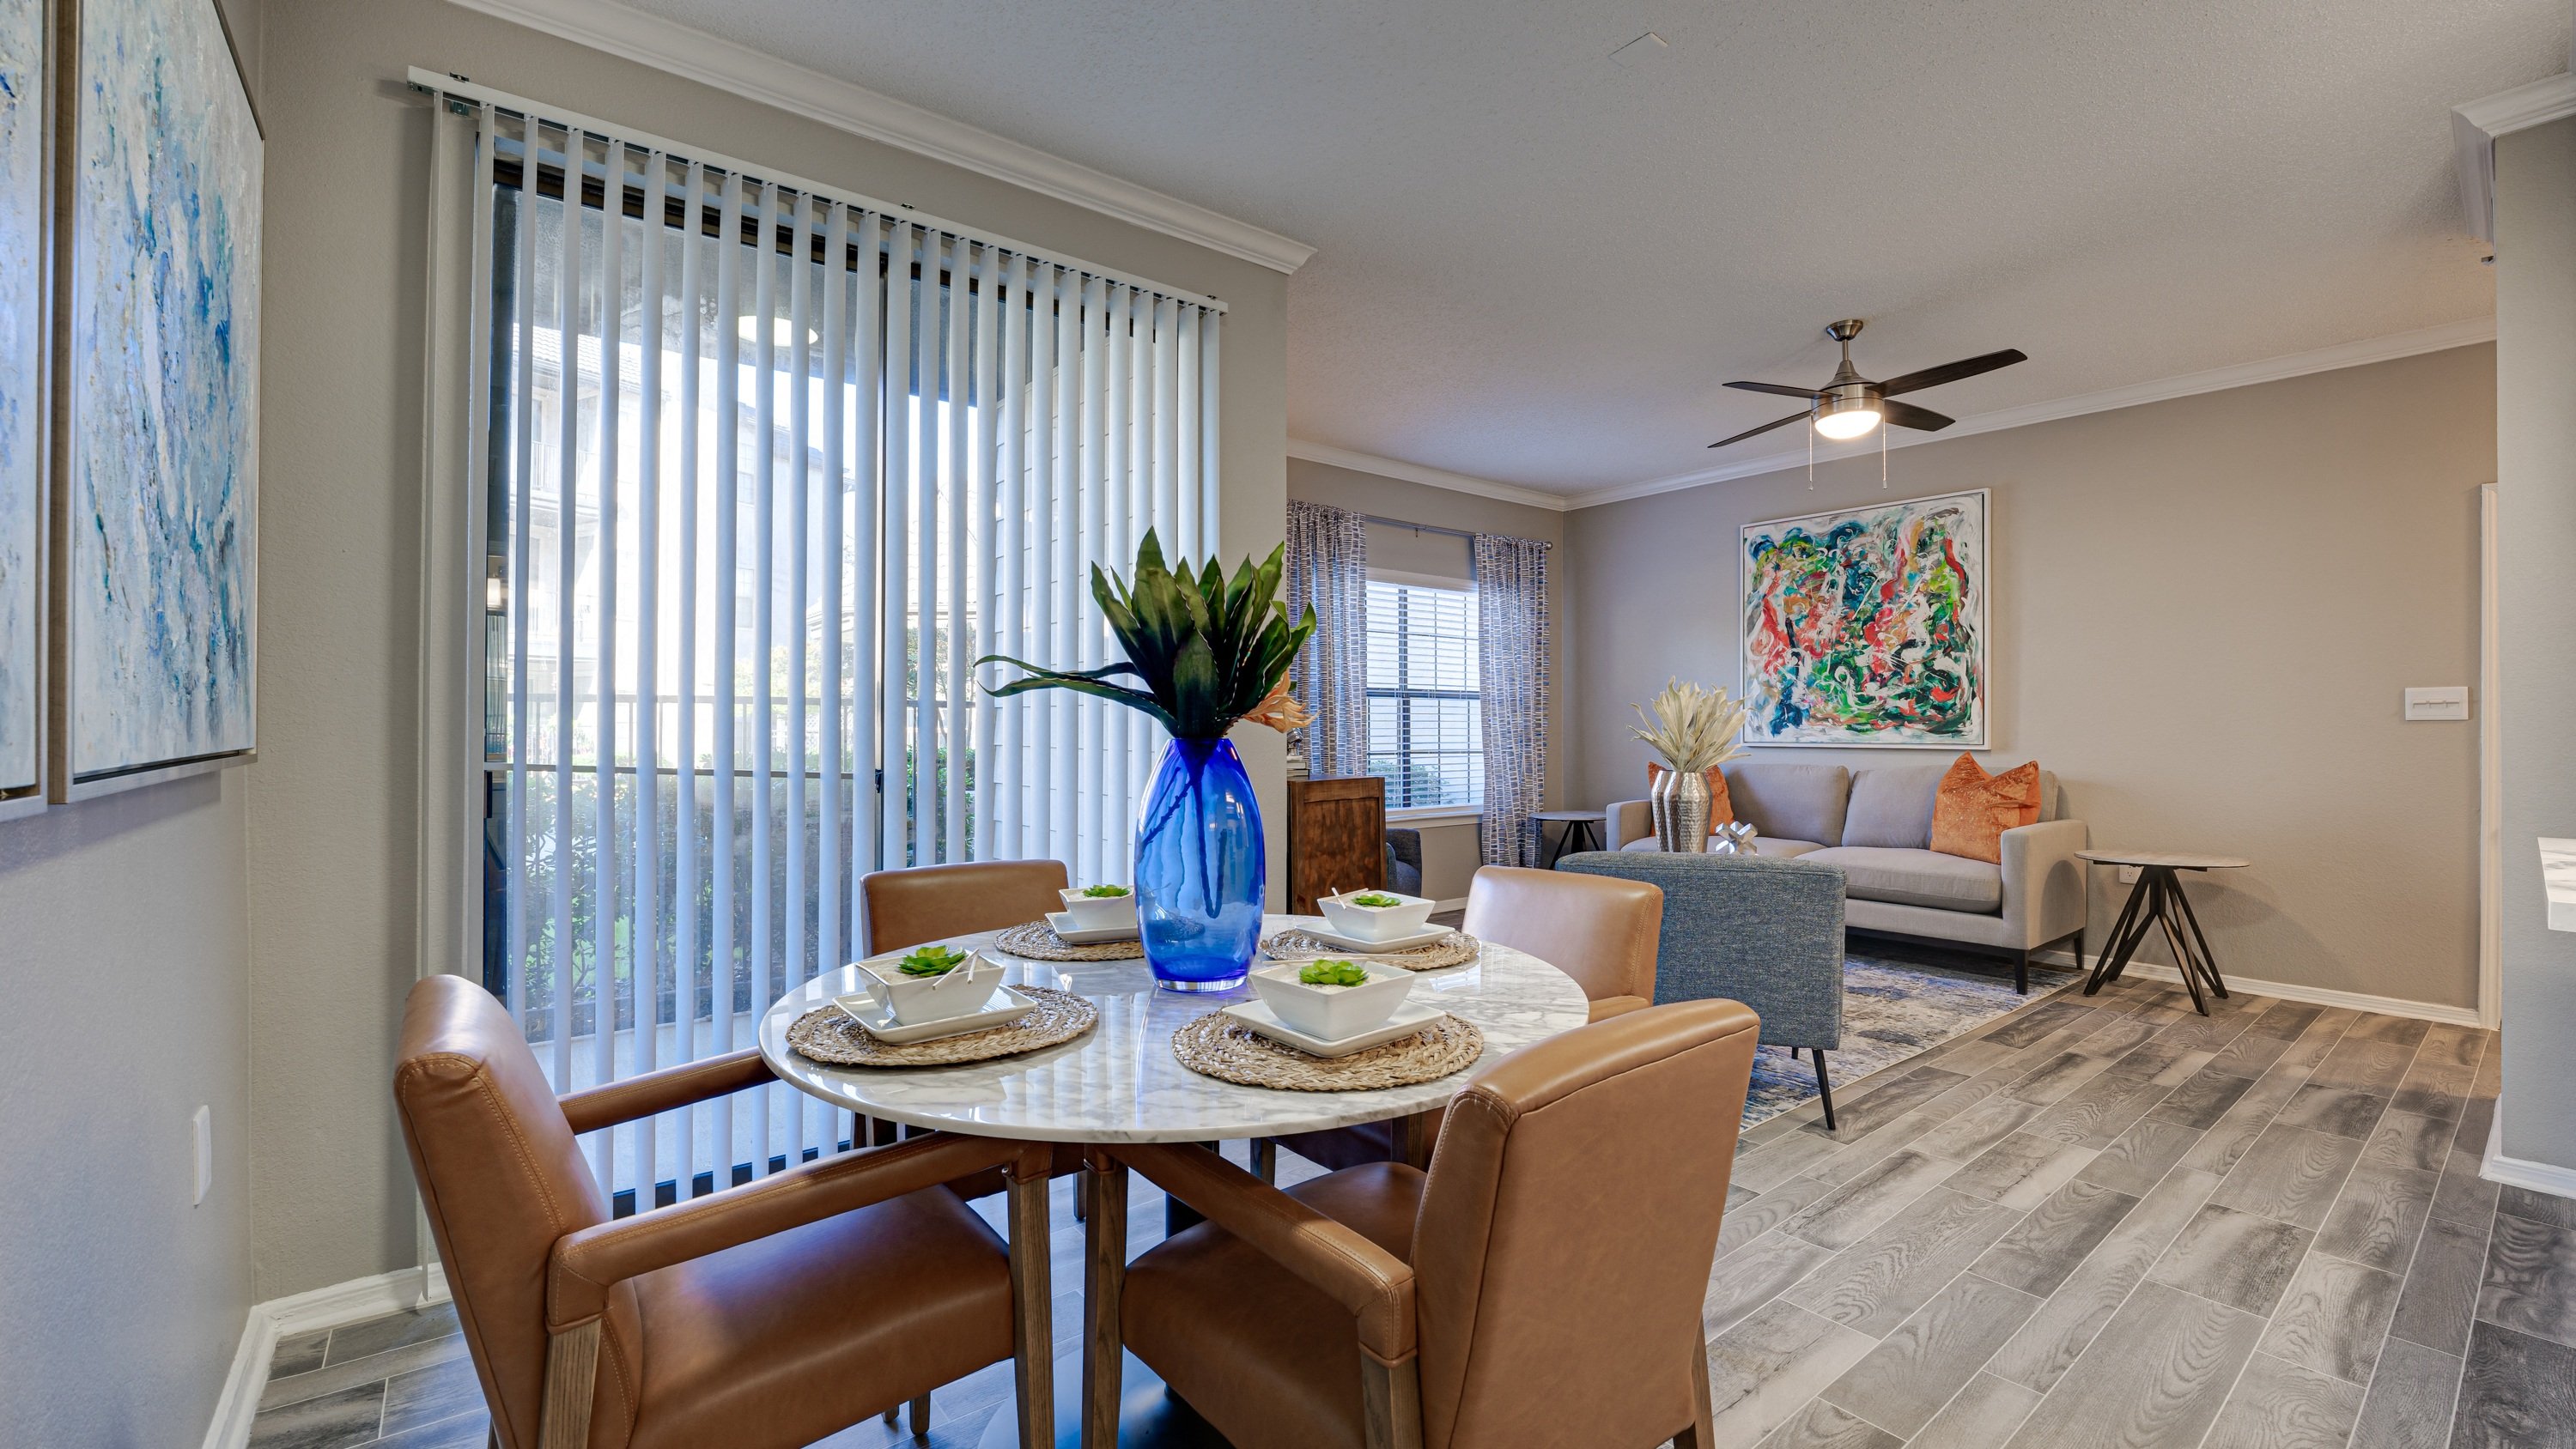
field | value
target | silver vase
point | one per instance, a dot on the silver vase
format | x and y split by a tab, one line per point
1686	806
1659	805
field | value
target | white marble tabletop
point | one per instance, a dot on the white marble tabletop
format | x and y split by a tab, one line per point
2171	859
1119	1082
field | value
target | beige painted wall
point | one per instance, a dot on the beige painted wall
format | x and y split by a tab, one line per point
1449	852
2536	508
2204	611
120	1301
333	831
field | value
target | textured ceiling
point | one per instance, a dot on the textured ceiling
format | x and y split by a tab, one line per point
1537	265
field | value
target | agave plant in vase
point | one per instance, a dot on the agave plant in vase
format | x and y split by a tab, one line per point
1696	729
1205	651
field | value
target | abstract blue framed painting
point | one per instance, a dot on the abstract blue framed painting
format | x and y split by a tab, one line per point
157	586
25	27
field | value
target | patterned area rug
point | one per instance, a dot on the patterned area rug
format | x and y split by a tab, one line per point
1898	1001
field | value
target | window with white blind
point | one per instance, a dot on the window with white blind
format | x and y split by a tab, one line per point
1426	720
768	468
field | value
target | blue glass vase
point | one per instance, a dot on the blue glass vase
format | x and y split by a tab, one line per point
1200	868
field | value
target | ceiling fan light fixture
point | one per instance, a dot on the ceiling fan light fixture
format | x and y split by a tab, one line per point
1843	419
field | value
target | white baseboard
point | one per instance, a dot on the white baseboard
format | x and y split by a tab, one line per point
336	1306
1458	903
2289	991
2494	1166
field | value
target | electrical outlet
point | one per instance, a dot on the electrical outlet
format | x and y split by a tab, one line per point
201	1133
2128	875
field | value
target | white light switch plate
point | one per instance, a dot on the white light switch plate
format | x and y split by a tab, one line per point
201	1134
2444	701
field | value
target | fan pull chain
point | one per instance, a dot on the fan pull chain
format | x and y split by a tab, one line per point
1882	457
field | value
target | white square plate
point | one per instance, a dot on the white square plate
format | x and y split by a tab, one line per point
1408	1019
1061	922
1005	1005
1356	943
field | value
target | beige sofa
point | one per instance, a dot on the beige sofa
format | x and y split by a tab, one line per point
1875	825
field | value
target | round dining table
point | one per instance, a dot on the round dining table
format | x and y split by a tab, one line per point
1120	1082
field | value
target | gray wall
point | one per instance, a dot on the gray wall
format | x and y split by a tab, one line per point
2536	504
124	1006
1449	852
334	829
2203	613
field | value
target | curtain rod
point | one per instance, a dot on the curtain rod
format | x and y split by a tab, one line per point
458	88
1465	533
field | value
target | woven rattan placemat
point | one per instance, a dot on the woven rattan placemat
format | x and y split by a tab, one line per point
1296	944
1037	941
1216	1045
828	1035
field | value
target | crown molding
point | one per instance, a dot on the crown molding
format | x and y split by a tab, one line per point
2464	333
2476	124
1429	477
692	54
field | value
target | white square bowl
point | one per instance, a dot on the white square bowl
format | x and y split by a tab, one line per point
1331	1012
1100	913
917	1000
1410	916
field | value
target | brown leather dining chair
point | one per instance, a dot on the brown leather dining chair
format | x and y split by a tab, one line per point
932	902
1597	929
1541	1285
771	1314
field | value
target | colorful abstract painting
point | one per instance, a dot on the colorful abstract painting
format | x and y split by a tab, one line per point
22	403
1868	626
165	380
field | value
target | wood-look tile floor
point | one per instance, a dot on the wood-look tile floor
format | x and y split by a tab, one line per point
2119	1223
2101	1221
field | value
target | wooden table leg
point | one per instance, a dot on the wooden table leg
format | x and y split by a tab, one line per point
1414	1137
1032	1304
1104	1280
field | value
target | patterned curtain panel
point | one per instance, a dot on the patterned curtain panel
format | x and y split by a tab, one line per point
1511	629
1328	568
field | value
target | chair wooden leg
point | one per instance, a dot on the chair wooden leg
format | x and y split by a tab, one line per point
2021	972
1700	1433
921	1417
1082	1197
572	1376
1391	1403
1032	1330
1825	1088
1265	1160
1104	1348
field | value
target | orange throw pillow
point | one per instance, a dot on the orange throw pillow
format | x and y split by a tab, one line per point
1721	811
1973	809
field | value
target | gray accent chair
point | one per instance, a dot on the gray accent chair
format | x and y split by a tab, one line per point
1875	824
1766	931
1404	860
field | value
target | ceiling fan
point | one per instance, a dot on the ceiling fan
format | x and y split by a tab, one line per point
1850	405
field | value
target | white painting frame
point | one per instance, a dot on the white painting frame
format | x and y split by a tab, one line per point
154	601
29	44
1763	727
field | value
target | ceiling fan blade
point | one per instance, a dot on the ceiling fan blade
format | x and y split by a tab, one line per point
1766	427
1773	387
1907	415
1951	371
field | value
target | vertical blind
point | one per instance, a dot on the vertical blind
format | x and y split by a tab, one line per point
768	467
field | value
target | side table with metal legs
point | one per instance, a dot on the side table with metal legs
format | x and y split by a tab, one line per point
2158	902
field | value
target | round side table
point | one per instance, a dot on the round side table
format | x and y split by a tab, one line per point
1580	825
2158	900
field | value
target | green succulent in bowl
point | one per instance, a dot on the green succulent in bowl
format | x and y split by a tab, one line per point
1332	973
1377	900
1104	891
931	961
